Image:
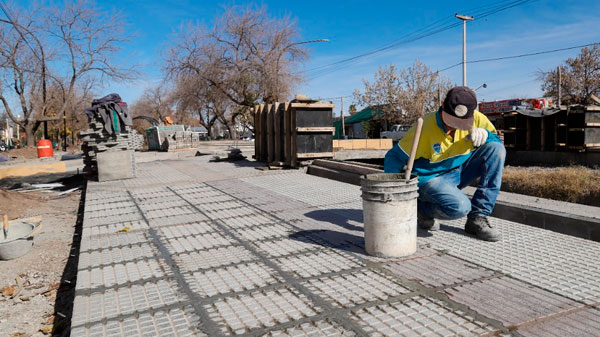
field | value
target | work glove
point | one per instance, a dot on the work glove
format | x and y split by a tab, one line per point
478	136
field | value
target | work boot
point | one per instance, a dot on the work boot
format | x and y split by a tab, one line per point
426	222
480	227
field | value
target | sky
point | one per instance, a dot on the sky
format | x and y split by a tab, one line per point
357	27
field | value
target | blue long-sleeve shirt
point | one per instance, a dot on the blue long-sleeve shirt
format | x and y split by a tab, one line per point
437	152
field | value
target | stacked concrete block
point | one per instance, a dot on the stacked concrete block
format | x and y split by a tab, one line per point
195	139
97	140
137	141
183	140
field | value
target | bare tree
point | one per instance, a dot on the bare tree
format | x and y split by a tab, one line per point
404	96
156	102
580	78
71	44
248	57
206	103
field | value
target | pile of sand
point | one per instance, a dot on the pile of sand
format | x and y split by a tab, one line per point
15	204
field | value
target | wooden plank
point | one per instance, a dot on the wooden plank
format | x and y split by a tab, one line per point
359	144
314	155
270	133
345	144
372	144
287	131
342	166
294	134
256	112
277	132
261	128
317	129
386	144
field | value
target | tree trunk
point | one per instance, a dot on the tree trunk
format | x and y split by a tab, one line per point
230	131
29	135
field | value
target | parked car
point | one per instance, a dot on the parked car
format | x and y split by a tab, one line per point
397	132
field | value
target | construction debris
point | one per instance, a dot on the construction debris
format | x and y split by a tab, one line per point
46	188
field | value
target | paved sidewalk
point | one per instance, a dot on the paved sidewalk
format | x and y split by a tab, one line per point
219	249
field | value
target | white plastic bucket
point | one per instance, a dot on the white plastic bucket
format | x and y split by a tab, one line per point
390	214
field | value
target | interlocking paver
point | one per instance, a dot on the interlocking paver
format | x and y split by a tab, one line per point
356	288
482	295
239	314
425	316
218	249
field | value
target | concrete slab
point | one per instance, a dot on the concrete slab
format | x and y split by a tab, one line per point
221	249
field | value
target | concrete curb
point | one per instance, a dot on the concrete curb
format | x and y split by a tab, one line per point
547	214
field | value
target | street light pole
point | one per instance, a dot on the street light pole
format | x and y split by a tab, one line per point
464	19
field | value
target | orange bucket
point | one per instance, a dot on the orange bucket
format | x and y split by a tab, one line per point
44	148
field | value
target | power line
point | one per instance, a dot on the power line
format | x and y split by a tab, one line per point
436	27
533	54
336	97
513	57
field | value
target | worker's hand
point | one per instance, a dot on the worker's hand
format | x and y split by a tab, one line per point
478	136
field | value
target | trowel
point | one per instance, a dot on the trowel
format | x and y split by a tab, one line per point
413	149
5	226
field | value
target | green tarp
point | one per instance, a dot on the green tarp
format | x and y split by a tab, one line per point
361	116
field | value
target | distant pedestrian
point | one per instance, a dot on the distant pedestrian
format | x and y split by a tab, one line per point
458	145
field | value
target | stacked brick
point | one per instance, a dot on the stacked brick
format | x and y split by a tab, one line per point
137	140
96	140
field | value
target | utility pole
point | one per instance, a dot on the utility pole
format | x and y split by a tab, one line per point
65	131
342	115
464	19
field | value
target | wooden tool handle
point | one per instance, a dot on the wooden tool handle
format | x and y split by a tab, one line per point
413	149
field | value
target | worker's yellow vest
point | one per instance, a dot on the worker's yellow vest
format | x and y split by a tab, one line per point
437	152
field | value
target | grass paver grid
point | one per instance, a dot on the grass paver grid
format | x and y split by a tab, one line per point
218	242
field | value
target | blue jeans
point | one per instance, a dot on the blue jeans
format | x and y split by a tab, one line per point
441	198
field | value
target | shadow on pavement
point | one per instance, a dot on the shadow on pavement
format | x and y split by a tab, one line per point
453	229
65	295
338	216
332	239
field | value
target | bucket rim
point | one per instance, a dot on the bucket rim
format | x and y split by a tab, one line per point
388	177
24	237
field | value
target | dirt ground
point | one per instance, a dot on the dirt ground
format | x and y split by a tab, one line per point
23	153
44	273
31	152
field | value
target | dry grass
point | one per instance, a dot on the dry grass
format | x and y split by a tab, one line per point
573	184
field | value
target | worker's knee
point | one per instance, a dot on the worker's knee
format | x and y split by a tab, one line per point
457	208
494	150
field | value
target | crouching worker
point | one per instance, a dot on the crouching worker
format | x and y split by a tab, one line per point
457	145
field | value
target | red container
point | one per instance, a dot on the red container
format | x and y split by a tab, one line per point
44	148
